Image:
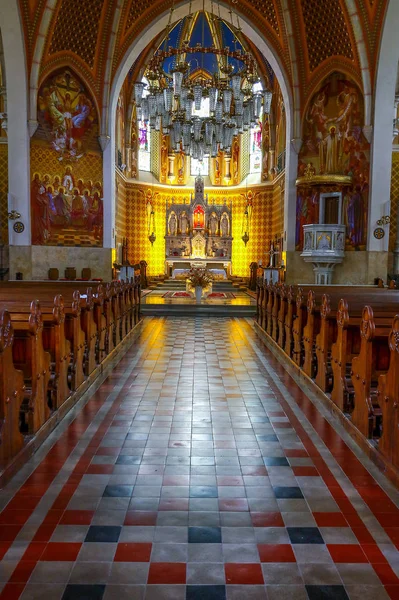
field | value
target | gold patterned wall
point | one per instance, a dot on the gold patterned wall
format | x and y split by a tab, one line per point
120	208
394	200
264	219
44	159
4	193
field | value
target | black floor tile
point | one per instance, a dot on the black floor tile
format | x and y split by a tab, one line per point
118	491
124	459
267	437
327	592
288	492
305	535
276	461
83	592
103	533
204	535
206	592
203	491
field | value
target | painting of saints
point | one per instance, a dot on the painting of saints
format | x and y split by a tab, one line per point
329	152
61	206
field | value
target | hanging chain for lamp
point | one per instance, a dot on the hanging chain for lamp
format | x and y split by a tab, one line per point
233	106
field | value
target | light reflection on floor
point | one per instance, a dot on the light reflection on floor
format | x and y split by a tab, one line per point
241	299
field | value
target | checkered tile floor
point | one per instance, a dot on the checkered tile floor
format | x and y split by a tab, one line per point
199	470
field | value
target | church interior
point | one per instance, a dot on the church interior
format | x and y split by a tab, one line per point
199	299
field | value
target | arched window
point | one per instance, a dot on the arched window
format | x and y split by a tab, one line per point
144	138
255	147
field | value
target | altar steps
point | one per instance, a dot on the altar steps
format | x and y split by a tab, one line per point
180	285
197	310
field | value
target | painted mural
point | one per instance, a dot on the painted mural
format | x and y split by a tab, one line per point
67	114
333	144
66	167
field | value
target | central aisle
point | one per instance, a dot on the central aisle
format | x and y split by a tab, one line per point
193	473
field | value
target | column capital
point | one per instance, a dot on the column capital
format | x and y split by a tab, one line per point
368	132
33	124
296	144
103	140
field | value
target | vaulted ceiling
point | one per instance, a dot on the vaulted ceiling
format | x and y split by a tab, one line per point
309	37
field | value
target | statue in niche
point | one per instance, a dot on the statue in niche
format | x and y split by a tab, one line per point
184	223
172	224
213	224
224	225
330	152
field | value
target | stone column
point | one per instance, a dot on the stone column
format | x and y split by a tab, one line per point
396	250
128	160
272	154
108	148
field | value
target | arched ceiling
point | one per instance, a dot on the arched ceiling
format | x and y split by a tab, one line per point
310	38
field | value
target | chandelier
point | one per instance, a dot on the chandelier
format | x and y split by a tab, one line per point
171	97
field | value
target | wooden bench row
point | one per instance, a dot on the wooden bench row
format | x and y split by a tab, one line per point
347	340
49	346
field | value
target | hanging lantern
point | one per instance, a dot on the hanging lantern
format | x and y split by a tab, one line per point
236	86
151	226
158	119
239	107
209	131
145	111
257	104
219	111
197	126
178	74
183	97
267	101
227	97
177	126
197	89
186	134
138	92
245	227
214	150
160	103
167	98
152	105
219	133
189	107
213	95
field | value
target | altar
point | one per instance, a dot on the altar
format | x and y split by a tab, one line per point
198	234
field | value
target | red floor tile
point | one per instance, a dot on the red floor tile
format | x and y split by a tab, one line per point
347	553
305	472
229	480
14	517
276	553
8	533
167	573
100	470
386	574
130	552
174	480
67	551
330	519
233	504
22	572
243	574
12	591
267	519
140	518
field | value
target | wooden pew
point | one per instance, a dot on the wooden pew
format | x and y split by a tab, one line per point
30	357
372	361
12	389
282	311
297	328
310	331
388	398
324	342
276	293
289	321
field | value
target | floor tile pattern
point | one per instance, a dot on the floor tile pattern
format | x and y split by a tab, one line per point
199	470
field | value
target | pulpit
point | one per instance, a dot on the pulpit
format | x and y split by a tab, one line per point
324	242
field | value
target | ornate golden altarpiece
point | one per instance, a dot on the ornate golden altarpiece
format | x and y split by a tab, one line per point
198	233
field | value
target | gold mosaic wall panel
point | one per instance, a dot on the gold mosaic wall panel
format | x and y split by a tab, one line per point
4	193
261	227
394	200
325	40
76	29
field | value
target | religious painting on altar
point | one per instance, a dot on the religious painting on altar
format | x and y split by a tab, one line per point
67	115
334	145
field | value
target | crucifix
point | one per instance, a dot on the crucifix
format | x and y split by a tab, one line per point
274	249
